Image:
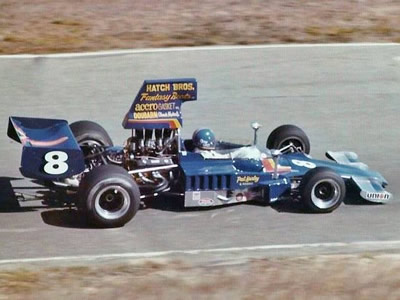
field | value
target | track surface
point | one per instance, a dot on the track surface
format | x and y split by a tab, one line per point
345	98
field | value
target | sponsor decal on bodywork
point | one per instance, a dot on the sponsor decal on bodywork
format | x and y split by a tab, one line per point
373	196
304	164
247	195
240	197
269	166
214	198
206	202
196	196
371	189
247	180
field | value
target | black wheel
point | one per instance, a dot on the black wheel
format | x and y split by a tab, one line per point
109	196
288	134
322	190
88	133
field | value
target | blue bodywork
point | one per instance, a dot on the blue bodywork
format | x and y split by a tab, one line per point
227	177
224	181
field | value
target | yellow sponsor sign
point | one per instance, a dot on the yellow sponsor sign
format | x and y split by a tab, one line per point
166	87
177	96
247	179
165	98
158	87
156	97
183	86
154	106
145	115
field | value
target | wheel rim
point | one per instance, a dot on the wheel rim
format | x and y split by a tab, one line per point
90	143
112	202
325	193
296	142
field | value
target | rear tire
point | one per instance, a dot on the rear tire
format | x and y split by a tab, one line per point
322	190
109	196
88	133
284	135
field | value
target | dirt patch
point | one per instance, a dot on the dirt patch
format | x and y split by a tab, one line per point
366	276
44	26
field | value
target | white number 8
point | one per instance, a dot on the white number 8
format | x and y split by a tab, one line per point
303	163
56	162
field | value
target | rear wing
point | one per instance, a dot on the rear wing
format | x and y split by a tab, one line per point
158	104
49	151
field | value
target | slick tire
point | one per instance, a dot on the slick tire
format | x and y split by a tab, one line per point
90	133
322	190
284	135
109	196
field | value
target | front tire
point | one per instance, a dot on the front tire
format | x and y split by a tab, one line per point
322	190
285	135
109	196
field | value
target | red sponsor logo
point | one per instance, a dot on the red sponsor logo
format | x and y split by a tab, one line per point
206	202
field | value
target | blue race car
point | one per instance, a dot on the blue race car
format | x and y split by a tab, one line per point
110	181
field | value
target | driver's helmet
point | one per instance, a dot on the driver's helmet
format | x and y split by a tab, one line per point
204	139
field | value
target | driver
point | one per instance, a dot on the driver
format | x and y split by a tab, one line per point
205	143
203	140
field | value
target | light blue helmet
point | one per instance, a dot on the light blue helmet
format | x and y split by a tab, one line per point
204	138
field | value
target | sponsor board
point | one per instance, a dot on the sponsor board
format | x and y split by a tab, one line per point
158	104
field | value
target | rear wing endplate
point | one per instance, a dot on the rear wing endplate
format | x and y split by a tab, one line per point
49	151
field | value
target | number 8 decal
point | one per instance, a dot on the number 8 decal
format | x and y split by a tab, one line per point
303	163
56	162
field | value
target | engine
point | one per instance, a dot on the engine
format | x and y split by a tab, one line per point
146	148
148	155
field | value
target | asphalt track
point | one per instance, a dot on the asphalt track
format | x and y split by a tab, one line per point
344	97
